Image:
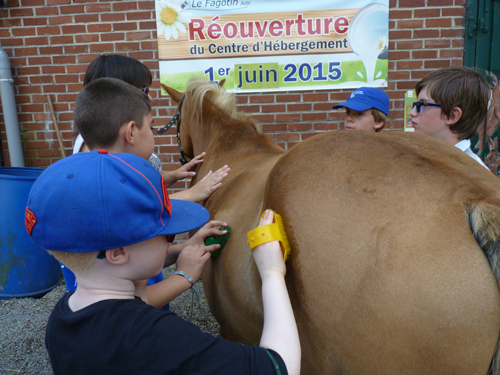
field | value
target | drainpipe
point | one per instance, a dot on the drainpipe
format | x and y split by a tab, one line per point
10	112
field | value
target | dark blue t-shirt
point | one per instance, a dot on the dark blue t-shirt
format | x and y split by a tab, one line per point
130	337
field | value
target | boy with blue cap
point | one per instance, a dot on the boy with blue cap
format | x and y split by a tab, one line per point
366	109
108	216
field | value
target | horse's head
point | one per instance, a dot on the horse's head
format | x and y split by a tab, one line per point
189	112
202	105
183	138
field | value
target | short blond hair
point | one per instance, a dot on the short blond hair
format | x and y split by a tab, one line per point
379	116
76	262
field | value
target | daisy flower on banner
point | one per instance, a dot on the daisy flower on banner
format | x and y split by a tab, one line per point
170	18
381	44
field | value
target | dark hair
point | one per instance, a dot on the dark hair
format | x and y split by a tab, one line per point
120	67
103	106
459	87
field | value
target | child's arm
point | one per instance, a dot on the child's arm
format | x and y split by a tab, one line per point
209	229
191	260
203	189
280	330
183	172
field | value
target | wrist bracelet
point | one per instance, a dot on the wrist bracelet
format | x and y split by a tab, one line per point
188	278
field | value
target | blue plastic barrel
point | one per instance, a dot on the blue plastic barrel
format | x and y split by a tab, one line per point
26	270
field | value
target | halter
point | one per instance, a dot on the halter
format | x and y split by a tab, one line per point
177	121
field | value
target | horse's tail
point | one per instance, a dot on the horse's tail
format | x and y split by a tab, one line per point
484	219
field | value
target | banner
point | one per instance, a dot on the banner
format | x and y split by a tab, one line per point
274	45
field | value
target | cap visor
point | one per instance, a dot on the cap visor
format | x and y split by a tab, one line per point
354	106
186	216
341	105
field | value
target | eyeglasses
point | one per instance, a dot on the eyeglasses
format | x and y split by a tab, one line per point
171	238
419	105
145	90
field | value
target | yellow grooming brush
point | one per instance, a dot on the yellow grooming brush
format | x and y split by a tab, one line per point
268	233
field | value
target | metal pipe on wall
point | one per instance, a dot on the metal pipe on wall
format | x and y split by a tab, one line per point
10	112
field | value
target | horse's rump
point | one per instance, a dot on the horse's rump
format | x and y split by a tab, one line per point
386	275
383	256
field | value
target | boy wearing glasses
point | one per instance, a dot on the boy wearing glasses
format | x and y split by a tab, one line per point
113	115
452	103
366	109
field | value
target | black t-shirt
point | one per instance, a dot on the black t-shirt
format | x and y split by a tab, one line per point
130	337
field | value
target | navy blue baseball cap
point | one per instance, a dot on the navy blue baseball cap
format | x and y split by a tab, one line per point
99	201
365	98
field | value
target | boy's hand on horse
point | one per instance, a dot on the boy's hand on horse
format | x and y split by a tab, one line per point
211	182
183	172
198	239
195	254
268	256
209	229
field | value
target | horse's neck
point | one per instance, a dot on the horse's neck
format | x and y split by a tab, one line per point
249	155
221	137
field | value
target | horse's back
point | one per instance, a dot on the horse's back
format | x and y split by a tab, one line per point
385	274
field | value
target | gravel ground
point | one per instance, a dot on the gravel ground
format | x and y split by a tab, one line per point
23	322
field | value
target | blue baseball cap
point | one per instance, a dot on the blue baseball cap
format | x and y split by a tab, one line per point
365	98
99	201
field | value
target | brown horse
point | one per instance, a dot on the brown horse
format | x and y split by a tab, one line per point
388	272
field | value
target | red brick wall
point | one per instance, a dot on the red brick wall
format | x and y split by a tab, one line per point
51	42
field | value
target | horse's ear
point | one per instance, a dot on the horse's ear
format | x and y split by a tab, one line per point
221	82
173	93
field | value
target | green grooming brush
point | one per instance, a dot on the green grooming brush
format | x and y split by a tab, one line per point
220	239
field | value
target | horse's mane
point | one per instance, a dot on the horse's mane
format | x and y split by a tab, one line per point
199	88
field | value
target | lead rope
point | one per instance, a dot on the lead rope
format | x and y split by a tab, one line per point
193	293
